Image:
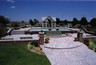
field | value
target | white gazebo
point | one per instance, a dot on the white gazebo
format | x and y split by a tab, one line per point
45	21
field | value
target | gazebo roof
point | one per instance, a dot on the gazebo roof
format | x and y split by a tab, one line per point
49	17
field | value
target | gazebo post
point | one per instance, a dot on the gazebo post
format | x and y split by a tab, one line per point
46	24
55	24
51	23
42	24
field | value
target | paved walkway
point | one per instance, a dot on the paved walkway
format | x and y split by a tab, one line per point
63	42
17	37
80	55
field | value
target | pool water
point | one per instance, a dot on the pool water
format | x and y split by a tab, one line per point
52	29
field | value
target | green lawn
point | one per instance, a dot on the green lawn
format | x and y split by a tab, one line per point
20	55
92	45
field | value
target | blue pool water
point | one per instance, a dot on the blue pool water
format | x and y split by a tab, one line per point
52	29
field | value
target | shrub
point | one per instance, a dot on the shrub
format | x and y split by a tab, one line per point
35	43
92	45
47	40
86	42
3	30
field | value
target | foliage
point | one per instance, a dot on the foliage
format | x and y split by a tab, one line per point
83	21
57	25
3	30
35	49
65	22
22	21
43	21
93	22
15	24
92	45
74	22
36	21
61	23
47	40
35	43
31	22
57	21
4	20
19	54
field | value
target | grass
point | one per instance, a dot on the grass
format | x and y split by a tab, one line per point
92	45
19	55
95	42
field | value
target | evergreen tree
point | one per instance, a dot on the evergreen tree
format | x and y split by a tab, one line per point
31	22
57	21
22	21
4	20
93	22
83	21
65	22
36	21
74	22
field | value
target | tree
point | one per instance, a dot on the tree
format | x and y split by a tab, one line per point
65	22
36	21
31	22
15	24
93	22
22	21
43	21
57	21
74	22
1	30
83	21
7	21
4	20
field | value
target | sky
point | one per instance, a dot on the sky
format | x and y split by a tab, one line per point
18	10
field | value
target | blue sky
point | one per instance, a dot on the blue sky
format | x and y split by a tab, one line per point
18	10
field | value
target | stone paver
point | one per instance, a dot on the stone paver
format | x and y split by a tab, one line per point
64	42
76	56
17	37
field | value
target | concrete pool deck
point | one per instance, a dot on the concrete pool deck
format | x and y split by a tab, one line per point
80	55
25	37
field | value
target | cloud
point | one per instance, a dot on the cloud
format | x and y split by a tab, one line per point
12	1
12	7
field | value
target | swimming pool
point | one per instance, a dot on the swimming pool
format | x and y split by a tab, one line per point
47	29
36	30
